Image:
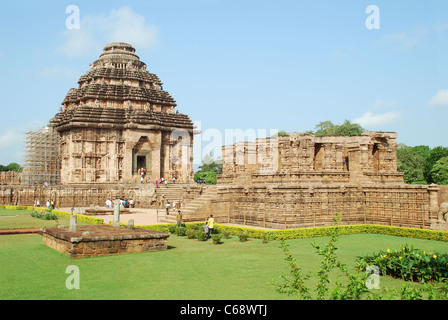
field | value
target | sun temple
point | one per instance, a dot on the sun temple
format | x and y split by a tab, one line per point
120	120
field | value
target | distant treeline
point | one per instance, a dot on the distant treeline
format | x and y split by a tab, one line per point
11	167
423	165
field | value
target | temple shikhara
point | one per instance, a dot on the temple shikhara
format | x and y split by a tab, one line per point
120	121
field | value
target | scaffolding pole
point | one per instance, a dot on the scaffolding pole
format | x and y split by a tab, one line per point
42	157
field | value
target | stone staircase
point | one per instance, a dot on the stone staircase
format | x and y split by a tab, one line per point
173	192
195	210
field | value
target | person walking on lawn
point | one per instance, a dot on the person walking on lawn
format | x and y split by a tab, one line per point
210	225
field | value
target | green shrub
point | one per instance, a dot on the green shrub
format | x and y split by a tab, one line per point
201	235
44	215
243	237
226	234
181	231
191	233
216	238
301	233
408	264
172	229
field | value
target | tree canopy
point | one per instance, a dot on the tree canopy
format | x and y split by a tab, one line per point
327	128
11	167
209	169
423	165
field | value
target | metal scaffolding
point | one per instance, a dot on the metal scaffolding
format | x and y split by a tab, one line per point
42	158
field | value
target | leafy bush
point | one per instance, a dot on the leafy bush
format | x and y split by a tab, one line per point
201	235
408	264
301	233
44	215
191	233
216	238
172	229
181	231
243	237
226	234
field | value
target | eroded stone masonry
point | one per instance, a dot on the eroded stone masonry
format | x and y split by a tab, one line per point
120	120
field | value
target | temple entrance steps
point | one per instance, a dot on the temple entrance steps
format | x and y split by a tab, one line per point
197	209
173	192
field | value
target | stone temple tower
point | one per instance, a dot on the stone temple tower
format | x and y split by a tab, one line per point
120	120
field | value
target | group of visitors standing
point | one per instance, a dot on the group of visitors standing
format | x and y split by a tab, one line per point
49	204
142	174
209	227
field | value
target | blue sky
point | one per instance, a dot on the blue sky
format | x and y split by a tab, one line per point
249	65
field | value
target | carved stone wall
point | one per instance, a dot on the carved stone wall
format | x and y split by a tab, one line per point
303	157
296	206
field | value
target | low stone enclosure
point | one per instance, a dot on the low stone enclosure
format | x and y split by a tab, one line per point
299	180
99	240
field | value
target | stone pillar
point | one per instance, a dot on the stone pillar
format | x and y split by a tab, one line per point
116	221
433	191
73	223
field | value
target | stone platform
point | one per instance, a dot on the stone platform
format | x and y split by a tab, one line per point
99	240
99	211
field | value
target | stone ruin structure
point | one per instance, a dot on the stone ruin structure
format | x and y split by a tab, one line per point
120	120
300	180
305	158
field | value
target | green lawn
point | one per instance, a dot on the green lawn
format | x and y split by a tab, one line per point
189	269
15	219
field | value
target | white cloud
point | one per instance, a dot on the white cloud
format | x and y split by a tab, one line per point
95	32
341	53
440	99
9	138
404	40
369	119
12	142
57	73
382	103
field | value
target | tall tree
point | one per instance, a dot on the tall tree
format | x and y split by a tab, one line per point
327	128
411	161
439	172
435	155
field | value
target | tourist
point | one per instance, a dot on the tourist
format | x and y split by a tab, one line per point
131	203
174	179
210	223
179	219
168	208
37	203
157	183
206	230
166	183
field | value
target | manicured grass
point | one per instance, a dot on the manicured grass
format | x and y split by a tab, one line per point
8	212
16	219
188	270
